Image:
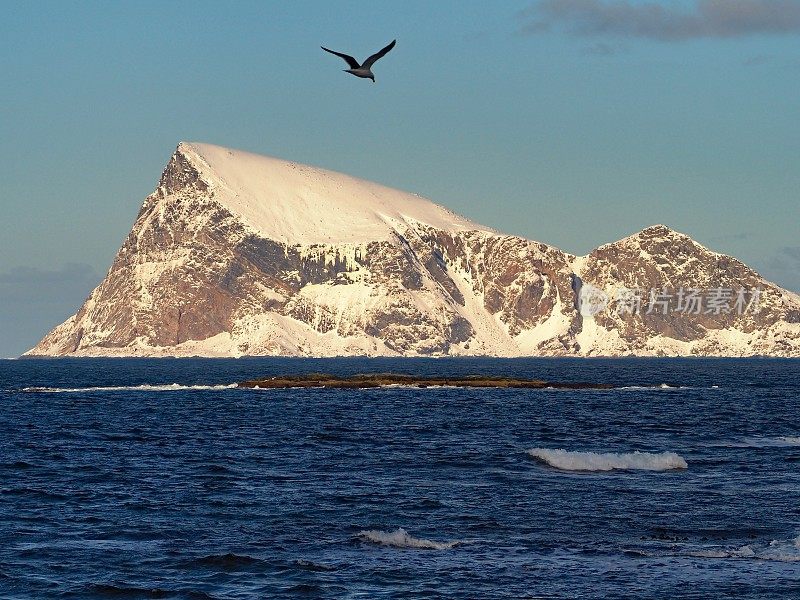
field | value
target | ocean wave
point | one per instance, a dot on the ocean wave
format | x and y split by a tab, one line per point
310	565
226	562
662	386
776	550
106	590
400	538
169	387
774	442
609	461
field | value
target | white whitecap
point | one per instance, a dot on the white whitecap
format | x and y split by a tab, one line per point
776	550
772	442
662	386
400	538
171	387
609	461
782	551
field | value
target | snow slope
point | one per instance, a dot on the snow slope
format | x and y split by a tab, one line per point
294	203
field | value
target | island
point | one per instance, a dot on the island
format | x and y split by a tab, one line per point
377	380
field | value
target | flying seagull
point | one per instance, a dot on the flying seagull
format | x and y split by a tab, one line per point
362	70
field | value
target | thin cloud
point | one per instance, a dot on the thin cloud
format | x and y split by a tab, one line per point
664	21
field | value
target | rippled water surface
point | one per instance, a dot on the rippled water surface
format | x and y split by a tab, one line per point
154	479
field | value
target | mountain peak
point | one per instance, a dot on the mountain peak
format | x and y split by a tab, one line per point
296	203
182	173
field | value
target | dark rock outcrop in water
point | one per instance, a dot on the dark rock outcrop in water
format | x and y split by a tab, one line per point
323	380
236	254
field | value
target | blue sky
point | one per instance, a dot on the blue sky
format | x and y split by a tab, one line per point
573	122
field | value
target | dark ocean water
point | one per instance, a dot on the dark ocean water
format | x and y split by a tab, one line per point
398	493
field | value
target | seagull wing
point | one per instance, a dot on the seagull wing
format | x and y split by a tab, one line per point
380	54
350	60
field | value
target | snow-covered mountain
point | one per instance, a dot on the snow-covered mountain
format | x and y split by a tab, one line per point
238	254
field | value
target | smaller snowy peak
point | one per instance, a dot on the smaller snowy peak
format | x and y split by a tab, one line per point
661	234
300	204
658	231
669	245
656	239
671	254
650	235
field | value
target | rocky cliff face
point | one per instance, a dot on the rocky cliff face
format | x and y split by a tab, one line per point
235	254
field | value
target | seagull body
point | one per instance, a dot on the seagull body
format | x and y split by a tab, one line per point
363	73
362	70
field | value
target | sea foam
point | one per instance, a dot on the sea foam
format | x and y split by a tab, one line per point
609	461
782	441
170	387
400	538
776	550
662	386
